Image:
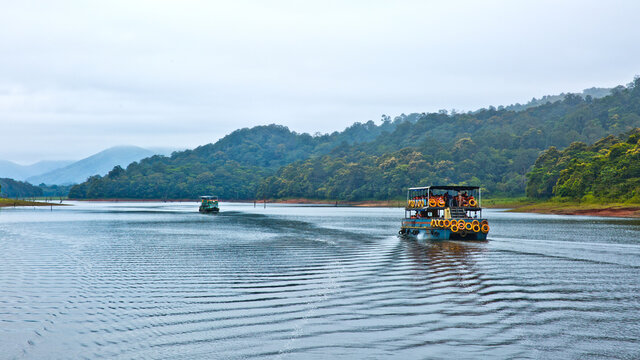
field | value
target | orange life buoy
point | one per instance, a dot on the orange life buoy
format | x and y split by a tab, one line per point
485	228
476	228
473	203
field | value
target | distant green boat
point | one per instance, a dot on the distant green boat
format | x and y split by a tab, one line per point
209	204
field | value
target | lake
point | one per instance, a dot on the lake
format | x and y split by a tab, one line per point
160	280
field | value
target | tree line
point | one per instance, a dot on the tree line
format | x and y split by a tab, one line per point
18	189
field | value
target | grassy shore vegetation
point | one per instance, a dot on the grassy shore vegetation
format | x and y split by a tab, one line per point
4	202
493	148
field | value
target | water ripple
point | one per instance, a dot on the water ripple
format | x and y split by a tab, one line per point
162	281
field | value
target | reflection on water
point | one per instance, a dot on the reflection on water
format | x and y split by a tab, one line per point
160	280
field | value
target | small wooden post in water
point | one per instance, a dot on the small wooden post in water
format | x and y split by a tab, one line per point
265	203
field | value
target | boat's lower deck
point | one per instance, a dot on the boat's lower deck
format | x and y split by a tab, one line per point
445	229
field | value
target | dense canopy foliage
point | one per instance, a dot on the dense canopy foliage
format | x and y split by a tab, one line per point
494	148
608	170
18	189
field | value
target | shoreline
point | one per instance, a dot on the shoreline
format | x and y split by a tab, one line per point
298	201
364	203
513	205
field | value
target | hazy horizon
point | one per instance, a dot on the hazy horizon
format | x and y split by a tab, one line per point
77	77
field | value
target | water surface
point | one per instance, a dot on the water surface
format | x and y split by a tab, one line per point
160	280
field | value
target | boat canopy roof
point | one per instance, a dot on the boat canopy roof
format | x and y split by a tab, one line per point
208	197
446	187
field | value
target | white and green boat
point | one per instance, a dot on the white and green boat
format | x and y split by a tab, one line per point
209	204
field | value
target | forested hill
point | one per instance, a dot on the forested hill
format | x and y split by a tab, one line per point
608	170
233	167
491	147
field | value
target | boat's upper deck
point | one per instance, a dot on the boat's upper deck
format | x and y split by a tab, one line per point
446	187
458	201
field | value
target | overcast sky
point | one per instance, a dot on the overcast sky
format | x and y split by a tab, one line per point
77	77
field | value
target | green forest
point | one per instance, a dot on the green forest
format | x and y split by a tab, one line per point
608	170
493	148
18	189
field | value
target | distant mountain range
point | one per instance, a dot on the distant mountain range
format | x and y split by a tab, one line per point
15	171
67	172
587	94
99	164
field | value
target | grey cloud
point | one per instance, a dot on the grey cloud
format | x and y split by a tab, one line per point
79	76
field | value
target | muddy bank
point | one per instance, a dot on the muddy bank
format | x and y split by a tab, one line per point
586	210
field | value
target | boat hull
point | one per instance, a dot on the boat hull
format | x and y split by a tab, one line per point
443	234
208	210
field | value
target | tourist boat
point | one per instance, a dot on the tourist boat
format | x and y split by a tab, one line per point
444	213
209	204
